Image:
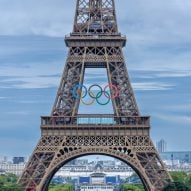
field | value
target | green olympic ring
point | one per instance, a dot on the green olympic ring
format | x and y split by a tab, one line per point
101	93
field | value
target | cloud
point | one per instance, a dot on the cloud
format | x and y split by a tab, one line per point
43	17
32	101
36	76
160	63
179	107
150	22
174	74
31	62
152	86
143	20
158	36
18	113
30	82
149	74
13	146
171	67
158	43
175	119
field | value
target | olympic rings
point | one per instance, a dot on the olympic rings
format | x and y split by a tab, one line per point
97	96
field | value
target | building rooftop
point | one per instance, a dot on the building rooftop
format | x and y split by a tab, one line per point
97	174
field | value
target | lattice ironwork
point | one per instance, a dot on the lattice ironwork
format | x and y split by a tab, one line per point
96	43
95	16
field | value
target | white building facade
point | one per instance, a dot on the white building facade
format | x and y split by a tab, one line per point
16	169
96	187
97	183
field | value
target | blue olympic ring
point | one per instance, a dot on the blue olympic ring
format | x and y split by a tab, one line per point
75	88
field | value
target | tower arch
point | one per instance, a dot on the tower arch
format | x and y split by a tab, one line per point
94	151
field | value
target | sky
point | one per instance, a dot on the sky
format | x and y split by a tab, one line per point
33	54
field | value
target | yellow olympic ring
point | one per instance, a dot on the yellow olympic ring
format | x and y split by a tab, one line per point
91	102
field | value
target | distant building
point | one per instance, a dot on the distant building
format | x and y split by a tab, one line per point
84	180
18	160
2	172
97	178
16	169
176	157
3	159
97	181
72	162
161	146
74	168
82	162
58	180
109	163
99	167
97	187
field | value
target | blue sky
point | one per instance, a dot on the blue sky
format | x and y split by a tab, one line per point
33	53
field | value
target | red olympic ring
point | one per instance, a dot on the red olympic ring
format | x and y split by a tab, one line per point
116	91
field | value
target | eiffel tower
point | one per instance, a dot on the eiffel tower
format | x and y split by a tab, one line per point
65	135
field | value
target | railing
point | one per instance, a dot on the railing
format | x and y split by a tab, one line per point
98	119
100	35
95	36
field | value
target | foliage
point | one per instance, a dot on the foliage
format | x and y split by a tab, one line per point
132	187
177	186
60	187
178	176
8	183
182	182
134	177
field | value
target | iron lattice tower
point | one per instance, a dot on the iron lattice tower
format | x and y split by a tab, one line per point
94	43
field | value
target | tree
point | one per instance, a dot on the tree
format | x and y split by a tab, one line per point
60	187
132	187
181	186
177	186
8	183
170	187
188	181
178	176
182	182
